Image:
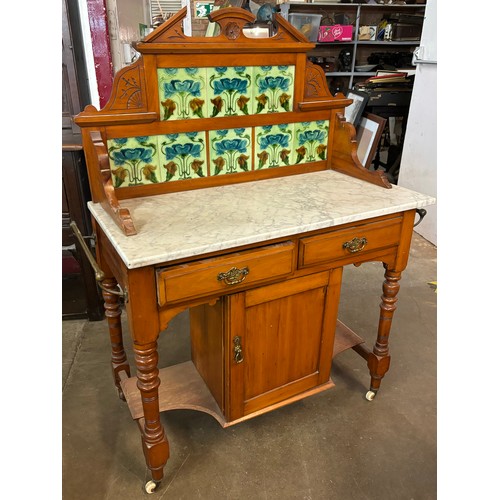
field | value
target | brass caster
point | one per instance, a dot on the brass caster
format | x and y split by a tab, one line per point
370	395
150	486
121	395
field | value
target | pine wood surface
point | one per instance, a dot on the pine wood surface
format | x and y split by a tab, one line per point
330	246
200	278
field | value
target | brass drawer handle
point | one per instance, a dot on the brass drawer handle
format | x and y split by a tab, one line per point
238	351
233	276
355	245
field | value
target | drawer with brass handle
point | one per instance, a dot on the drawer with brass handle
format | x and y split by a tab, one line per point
224	274
352	241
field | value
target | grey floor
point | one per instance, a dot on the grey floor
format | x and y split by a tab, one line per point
334	445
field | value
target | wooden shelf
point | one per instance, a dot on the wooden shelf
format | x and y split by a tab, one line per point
181	388
368	42
392	42
345	339
358	47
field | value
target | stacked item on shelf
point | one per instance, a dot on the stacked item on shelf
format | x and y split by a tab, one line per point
390	82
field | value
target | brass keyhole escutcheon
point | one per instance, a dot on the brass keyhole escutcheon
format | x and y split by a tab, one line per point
355	245
237	350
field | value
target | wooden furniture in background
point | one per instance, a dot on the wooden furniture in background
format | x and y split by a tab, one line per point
234	192
80	297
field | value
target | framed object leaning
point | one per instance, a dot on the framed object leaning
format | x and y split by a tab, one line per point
354	111
368	137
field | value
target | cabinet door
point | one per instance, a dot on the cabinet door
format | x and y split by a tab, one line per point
279	341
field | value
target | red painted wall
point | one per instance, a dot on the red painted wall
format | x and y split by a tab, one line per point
101	48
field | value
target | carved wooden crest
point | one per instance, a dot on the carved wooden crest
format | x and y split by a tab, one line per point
231	20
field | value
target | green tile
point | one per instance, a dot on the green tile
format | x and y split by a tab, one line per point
183	93
310	141
134	161
273	88
230	91
273	146
182	156
230	151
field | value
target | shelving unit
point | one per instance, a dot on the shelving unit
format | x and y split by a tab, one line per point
360	14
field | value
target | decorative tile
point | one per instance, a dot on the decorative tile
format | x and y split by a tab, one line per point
182	156
273	145
183	93
134	161
310	141
229	91
273	88
230	151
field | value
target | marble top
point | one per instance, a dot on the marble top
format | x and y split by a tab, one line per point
192	223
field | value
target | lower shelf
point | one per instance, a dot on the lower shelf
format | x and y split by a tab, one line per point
345	339
182	387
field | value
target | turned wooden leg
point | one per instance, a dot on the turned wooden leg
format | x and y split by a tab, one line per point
154	440
379	359
113	314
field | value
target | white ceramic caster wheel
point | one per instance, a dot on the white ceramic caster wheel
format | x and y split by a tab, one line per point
150	487
370	395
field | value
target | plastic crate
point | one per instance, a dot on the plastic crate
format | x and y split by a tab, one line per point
307	24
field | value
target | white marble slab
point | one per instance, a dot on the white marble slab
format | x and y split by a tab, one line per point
191	223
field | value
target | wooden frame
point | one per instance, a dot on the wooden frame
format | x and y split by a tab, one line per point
139	108
354	112
368	137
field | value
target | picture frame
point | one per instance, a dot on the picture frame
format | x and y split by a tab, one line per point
386	72
368	137
354	111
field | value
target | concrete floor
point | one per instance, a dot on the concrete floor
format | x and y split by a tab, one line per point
334	445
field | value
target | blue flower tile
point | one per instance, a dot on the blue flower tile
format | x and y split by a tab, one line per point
134	161
273	146
182	156
310	141
183	93
230	151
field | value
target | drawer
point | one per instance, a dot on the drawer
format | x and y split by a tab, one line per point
351	242
224	274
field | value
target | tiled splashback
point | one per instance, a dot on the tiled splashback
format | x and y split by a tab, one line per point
163	158
224	91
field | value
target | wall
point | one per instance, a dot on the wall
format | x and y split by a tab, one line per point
124	17
418	169
95	35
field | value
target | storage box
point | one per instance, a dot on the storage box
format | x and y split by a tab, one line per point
367	33
406	32
337	32
307	24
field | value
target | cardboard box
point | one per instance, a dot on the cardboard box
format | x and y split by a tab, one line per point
367	33
335	33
